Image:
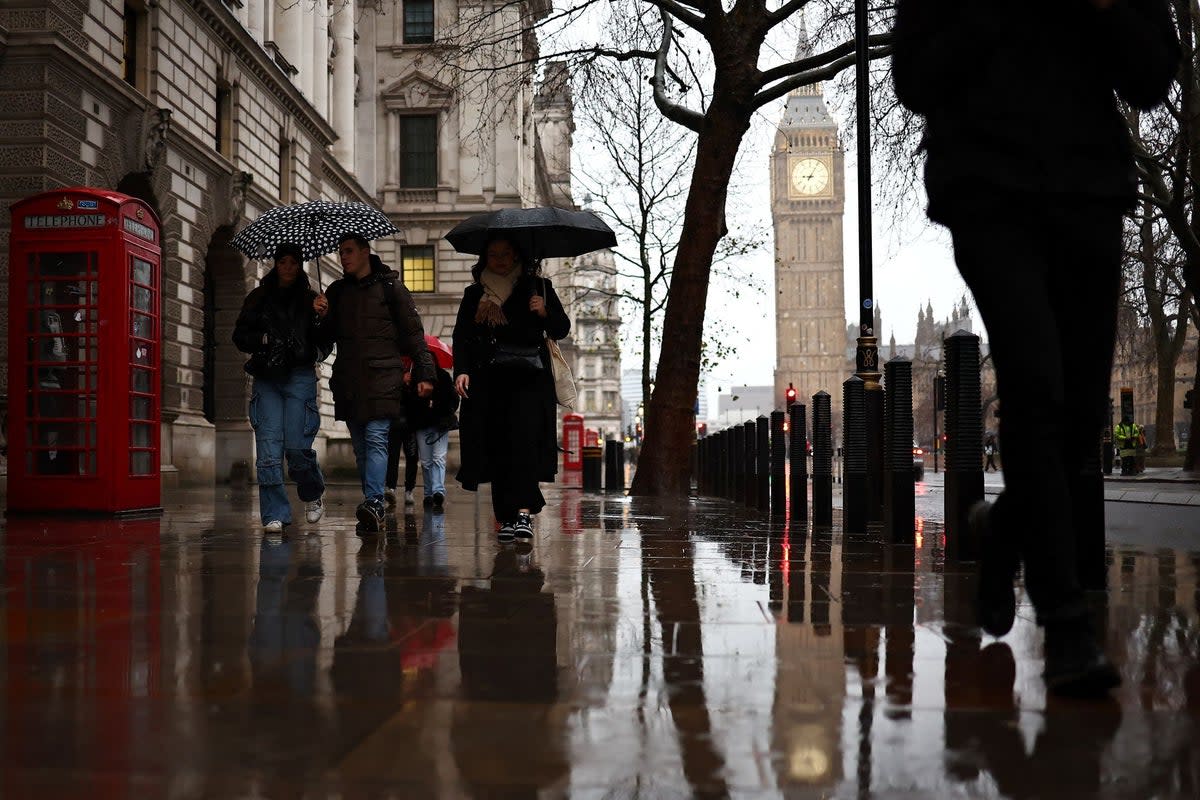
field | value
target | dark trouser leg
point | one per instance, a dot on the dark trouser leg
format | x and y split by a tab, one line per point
410	461
516	434
1038	279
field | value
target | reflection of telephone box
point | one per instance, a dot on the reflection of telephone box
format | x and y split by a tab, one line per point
572	432
83	353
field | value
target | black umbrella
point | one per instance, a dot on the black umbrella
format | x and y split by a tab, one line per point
538	232
315	226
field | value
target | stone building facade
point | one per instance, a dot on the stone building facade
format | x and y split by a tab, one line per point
216	110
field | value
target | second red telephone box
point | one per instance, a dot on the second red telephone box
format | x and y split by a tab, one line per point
83	353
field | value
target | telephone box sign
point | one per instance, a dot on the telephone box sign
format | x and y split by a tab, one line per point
84	351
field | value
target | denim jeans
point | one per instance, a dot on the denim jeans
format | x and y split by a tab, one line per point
285	419
432	444
370	440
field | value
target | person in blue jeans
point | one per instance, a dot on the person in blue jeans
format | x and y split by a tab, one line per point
432	419
372	319
277	327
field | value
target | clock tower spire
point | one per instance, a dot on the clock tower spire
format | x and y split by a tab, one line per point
807	207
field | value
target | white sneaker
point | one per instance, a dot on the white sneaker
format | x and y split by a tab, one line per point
314	510
274	526
408	498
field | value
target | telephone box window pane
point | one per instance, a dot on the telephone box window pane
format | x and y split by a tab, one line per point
143	272
142	298
86	407
141	353
61	265
140	380
139	462
139	435
91	463
141	326
139	408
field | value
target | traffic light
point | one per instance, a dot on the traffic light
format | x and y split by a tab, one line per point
789	396
939	392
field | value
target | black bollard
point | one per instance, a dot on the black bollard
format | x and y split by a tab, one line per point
964	443
730	461
799	462
751	462
737	454
593	462
778	465
614	466
899	482
762	470
700	469
874	403
1087	492
713	478
822	481
854	455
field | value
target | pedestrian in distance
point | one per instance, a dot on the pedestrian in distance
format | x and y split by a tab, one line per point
372	319
989	450
401	440
277	327
502	373
1030	166
1126	435
431	420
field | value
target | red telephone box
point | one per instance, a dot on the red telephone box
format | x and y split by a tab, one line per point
83	353
572	429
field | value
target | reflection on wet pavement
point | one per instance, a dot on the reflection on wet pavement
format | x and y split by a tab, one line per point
635	650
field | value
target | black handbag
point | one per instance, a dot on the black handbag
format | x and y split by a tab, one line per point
518	358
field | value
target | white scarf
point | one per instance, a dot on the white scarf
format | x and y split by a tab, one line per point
496	291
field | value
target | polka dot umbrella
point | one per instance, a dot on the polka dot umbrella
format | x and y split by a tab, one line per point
315	226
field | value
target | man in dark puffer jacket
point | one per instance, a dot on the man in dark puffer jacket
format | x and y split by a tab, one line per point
375	326
1029	164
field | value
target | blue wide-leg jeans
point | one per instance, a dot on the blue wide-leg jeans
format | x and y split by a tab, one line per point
285	419
370	441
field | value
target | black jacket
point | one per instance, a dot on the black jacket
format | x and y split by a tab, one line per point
1018	96
277	319
368	373
438	411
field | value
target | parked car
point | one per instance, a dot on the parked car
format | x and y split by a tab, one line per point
918	462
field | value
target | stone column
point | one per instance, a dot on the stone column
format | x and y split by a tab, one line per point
320	58
342	113
391	150
254	19
289	35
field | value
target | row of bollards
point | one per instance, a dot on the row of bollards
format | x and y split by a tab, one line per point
764	463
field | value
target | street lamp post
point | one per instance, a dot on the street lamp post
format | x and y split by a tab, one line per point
867	354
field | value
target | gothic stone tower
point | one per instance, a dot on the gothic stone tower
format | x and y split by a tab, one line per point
807	203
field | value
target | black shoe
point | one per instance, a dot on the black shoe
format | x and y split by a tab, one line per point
1075	664
995	604
439	499
370	514
428	501
507	532
523	528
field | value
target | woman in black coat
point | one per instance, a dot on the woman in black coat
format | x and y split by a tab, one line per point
502	373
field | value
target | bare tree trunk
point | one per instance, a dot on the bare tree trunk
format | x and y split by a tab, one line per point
664	466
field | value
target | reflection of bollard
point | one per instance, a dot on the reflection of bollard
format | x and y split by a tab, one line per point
854	455
778	465
751	463
614	466
900	504
738	462
964	443
593	462
799	462
822	481
762	449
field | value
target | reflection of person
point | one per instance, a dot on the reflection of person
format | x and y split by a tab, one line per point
374	322
502	372
1029	165
507	644
277	327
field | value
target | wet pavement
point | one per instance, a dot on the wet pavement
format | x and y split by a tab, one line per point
635	650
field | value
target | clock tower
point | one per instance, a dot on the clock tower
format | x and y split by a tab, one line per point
807	204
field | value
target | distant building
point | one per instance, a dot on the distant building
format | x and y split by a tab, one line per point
744	403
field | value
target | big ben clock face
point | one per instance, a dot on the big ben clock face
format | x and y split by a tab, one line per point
809	177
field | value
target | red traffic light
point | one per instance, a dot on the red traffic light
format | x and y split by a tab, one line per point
790	394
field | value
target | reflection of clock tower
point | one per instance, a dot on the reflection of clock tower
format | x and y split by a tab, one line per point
807	202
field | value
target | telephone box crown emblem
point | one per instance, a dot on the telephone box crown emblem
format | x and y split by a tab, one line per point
65	204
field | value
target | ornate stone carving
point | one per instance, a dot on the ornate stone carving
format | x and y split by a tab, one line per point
239	186
157	125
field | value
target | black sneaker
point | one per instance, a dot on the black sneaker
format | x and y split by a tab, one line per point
523	528
507	532
995	604
439	499
370	514
428	501
1075	664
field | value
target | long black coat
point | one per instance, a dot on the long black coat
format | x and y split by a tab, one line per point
1018	96
368	373
474	347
